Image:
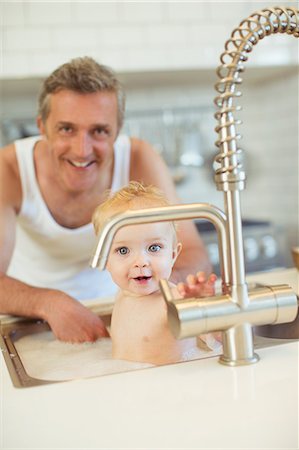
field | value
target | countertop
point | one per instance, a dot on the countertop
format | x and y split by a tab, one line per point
190	405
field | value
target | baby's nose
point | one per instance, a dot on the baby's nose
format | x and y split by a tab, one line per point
141	264
141	261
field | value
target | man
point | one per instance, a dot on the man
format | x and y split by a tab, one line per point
49	188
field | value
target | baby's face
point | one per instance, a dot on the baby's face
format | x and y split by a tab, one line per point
141	255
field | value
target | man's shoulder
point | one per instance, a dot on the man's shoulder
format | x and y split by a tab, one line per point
9	174
7	148
141	158
138	145
8	158
142	152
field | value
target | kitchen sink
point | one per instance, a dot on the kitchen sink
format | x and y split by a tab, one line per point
279	331
35	357
13	330
45	360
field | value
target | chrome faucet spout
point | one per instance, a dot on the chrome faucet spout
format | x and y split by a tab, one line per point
164	214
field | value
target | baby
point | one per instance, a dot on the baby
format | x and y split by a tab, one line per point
140	256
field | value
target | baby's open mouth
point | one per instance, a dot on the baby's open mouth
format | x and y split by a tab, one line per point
142	278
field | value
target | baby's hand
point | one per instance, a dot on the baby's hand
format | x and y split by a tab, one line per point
198	285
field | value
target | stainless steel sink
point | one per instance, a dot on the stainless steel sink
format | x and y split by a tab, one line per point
279	331
14	330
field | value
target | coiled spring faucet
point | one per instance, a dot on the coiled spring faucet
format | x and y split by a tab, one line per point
237	309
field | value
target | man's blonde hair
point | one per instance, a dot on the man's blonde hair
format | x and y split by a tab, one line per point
131	197
83	75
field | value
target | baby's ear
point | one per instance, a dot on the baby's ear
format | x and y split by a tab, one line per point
176	251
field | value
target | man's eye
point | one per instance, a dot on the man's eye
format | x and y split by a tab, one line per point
154	248
100	131
66	129
123	250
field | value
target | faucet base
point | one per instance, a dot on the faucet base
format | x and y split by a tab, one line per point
239	362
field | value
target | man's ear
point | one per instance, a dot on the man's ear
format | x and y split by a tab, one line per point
41	126
176	251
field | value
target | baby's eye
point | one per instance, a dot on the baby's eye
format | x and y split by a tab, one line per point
123	250
154	248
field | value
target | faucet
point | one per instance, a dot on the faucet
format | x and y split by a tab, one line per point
237	309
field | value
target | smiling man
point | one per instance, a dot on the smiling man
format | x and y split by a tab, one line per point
49	187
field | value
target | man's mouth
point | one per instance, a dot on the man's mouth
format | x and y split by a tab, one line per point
79	164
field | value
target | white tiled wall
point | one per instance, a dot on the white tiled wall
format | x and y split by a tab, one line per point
37	36
148	36
271	132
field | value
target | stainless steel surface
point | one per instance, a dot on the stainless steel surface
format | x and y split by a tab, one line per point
237	309
11	332
178	212
177	133
280	331
14	328
265	245
229	177
193	316
295	255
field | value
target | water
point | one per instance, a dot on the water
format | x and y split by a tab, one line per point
46	358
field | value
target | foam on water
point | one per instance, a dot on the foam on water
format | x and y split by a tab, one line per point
46	358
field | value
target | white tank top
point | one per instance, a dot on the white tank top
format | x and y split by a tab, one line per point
49	255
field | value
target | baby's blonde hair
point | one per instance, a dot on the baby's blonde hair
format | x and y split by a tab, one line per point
133	196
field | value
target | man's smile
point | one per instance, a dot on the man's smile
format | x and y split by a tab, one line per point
80	164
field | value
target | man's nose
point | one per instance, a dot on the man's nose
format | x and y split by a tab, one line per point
83	145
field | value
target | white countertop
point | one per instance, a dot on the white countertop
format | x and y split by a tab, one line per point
196	404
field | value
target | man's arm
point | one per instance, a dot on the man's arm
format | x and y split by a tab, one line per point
69	320
149	168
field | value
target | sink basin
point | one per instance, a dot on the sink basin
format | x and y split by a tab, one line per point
280	331
35	357
284	330
20	339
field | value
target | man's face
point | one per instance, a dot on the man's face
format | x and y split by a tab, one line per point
141	255
80	131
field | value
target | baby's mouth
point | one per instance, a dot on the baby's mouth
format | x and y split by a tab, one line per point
142	279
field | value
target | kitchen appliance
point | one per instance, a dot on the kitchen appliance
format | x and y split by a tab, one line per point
264	244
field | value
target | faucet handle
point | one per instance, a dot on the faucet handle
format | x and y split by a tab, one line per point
166	291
